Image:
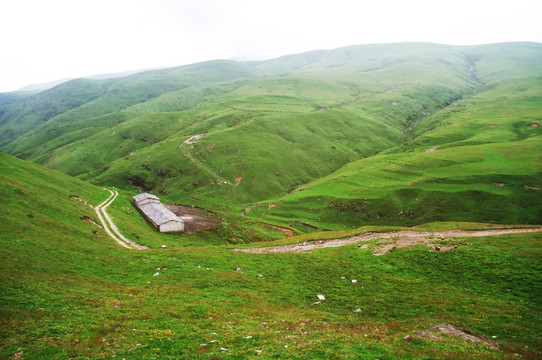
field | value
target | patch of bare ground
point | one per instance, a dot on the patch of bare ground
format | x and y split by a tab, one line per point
449	329
287	232
87	219
432	149
528	187
402	243
75	197
195	219
501	184
438	235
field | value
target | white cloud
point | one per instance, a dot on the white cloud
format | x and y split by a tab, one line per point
49	40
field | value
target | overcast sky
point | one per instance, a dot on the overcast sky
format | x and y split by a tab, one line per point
46	40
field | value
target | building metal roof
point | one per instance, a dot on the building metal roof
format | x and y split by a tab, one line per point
158	213
144	196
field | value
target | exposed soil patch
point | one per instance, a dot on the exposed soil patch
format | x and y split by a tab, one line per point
406	242
501	184
287	232
321	244
449	329
534	125
87	219
432	149
75	197
528	187
194	219
238	180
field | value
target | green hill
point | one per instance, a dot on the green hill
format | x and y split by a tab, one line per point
226	135
360	139
477	160
69	291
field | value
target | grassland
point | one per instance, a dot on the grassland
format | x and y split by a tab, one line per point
320	145
69	291
474	161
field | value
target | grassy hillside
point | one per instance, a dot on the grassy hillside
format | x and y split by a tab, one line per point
42	118
477	160
68	291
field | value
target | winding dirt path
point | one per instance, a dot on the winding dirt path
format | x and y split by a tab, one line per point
387	235
119	238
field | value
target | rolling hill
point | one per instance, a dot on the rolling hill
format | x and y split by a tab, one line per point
69	291
229	135
395	138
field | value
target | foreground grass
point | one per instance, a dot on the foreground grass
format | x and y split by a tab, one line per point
68	291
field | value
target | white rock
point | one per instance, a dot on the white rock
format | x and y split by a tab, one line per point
315	303
354	281
223	349
248	337
321	297
212	341
156	274
357	310
163	246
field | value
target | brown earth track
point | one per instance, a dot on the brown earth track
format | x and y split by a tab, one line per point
387	235
194	219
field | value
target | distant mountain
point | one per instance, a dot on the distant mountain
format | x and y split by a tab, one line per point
35	88
43	86
227	134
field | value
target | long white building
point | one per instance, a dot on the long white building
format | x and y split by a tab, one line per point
157	214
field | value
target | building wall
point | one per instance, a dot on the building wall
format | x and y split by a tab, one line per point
172	226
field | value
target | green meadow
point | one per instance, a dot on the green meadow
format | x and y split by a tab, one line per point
300	149
69	291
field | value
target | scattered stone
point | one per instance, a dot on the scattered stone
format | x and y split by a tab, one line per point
163	246
260	276
157	269
321	297
248	337
407	338
212	341
357	310
316	303
202	344
240	270
17	354
258	352
223	349
156	274
354	281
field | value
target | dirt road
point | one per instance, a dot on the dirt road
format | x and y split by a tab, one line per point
387	235
119	238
